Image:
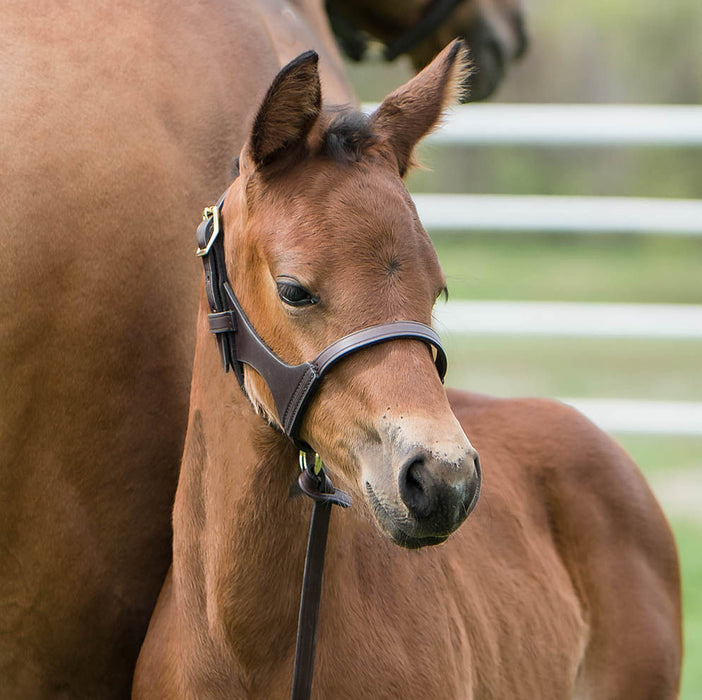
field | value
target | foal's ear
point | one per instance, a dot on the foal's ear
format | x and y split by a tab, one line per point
289	110
414	109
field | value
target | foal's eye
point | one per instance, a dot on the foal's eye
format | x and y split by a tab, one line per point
295	294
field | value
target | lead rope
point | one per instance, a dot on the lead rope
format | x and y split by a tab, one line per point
315	484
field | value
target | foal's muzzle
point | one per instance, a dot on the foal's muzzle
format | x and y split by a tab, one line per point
435	496
438	495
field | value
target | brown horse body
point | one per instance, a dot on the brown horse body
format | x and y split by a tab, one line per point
563	584
118	123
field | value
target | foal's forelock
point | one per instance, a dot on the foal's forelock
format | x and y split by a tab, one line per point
348	135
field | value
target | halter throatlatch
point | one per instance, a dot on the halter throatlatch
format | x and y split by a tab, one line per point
292	386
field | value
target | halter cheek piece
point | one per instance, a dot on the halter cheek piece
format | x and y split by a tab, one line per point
292	386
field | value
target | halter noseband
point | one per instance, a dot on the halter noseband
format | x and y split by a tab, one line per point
291	386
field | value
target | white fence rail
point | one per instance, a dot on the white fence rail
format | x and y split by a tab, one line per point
570	125
576	126
571	319
553	214
573	125
642	417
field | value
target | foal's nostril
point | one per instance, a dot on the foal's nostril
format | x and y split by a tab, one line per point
438	494
415	489
473	491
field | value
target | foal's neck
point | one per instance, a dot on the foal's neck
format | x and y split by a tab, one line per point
239	534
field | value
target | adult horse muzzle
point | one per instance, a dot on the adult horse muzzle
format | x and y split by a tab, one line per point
354	43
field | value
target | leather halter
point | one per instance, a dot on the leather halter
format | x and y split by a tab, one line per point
292	386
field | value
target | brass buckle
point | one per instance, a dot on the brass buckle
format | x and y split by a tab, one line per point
214	214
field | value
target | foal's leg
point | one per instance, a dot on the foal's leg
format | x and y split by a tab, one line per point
634	651
621	555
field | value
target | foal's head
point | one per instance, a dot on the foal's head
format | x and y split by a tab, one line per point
323	240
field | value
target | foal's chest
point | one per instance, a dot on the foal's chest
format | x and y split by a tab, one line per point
458	622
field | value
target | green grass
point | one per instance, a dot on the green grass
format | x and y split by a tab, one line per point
688	535
572	268
661	454
583	367
623	172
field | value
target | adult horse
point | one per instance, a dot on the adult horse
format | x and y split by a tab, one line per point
118	120
564	584
493	29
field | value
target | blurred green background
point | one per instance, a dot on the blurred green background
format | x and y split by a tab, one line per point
593	51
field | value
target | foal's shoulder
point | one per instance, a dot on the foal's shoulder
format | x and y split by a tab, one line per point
546	423
549	440
586	482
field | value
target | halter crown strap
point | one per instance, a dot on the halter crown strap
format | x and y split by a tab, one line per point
292	386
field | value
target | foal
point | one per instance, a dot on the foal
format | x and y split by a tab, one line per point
566	567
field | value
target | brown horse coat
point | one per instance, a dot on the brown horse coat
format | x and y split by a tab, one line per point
118	122
564	582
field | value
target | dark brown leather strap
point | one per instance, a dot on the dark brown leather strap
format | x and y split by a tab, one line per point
379	334
349	344
434	16
310	601
292	386
322	491
210	241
